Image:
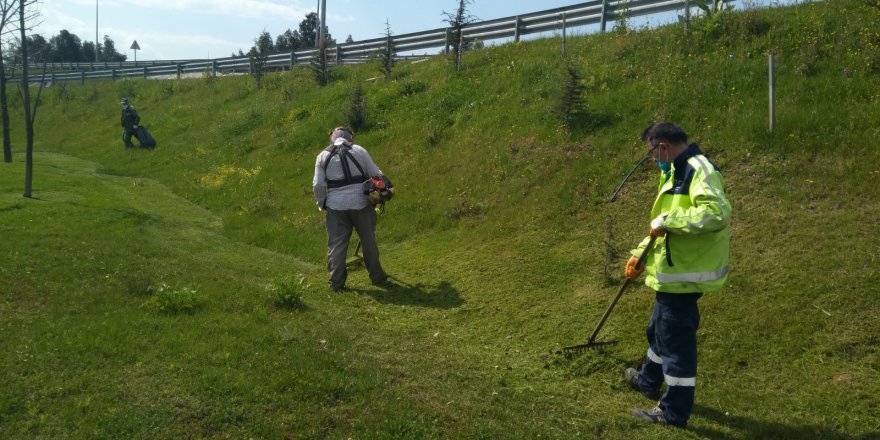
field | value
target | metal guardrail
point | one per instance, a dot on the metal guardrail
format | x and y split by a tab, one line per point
558	19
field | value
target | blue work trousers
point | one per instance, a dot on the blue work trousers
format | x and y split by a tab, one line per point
672	353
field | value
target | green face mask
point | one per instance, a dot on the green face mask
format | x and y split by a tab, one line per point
666	167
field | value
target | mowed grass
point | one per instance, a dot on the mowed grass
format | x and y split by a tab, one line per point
136	284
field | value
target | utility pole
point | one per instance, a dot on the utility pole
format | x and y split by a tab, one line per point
318	30
96	31
322	23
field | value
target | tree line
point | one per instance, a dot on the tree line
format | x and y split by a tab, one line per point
306	37
64	47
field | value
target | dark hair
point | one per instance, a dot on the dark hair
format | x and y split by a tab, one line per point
664	131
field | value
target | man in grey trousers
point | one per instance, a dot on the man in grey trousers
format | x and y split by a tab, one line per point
340	171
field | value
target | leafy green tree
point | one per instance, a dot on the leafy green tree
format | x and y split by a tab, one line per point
38	48
308	30
88	50
108	51
259	56
288	41
65	47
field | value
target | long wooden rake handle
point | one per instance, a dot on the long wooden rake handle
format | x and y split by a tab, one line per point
639	264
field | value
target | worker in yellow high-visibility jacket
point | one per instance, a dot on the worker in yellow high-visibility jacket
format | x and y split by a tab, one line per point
691	218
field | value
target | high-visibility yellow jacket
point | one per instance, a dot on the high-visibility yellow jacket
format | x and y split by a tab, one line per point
693	256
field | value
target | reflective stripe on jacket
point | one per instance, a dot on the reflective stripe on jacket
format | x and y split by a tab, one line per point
693	256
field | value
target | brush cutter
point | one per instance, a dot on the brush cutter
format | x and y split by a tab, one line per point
592	343
355	259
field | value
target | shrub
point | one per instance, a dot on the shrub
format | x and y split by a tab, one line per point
412	87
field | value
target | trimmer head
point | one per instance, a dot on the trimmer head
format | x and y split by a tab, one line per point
588	346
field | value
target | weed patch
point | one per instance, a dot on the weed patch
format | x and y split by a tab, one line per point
288	293
172	300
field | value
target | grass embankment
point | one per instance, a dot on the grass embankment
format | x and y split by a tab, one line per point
499	237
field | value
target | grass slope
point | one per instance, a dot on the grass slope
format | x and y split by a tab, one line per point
501	240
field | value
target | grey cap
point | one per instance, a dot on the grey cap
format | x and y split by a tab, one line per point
340	132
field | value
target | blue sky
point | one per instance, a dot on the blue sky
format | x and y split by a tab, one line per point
187	29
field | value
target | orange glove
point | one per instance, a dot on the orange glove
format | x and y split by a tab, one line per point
631	271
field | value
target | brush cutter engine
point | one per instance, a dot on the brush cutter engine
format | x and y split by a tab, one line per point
378	189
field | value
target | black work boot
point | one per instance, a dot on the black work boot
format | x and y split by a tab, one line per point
632	377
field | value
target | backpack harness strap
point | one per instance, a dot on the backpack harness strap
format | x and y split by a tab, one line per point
344	152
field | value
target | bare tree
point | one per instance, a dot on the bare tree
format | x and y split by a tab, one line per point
29	114
7	15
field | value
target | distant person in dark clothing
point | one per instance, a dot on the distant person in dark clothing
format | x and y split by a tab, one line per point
130	121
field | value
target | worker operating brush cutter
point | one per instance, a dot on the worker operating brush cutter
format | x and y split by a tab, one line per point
345	179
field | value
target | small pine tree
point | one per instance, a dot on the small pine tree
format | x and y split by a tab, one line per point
456	22
356	113
571	108
386	54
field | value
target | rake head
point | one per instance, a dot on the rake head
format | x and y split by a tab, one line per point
590	345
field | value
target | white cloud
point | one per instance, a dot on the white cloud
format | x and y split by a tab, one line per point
53	20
